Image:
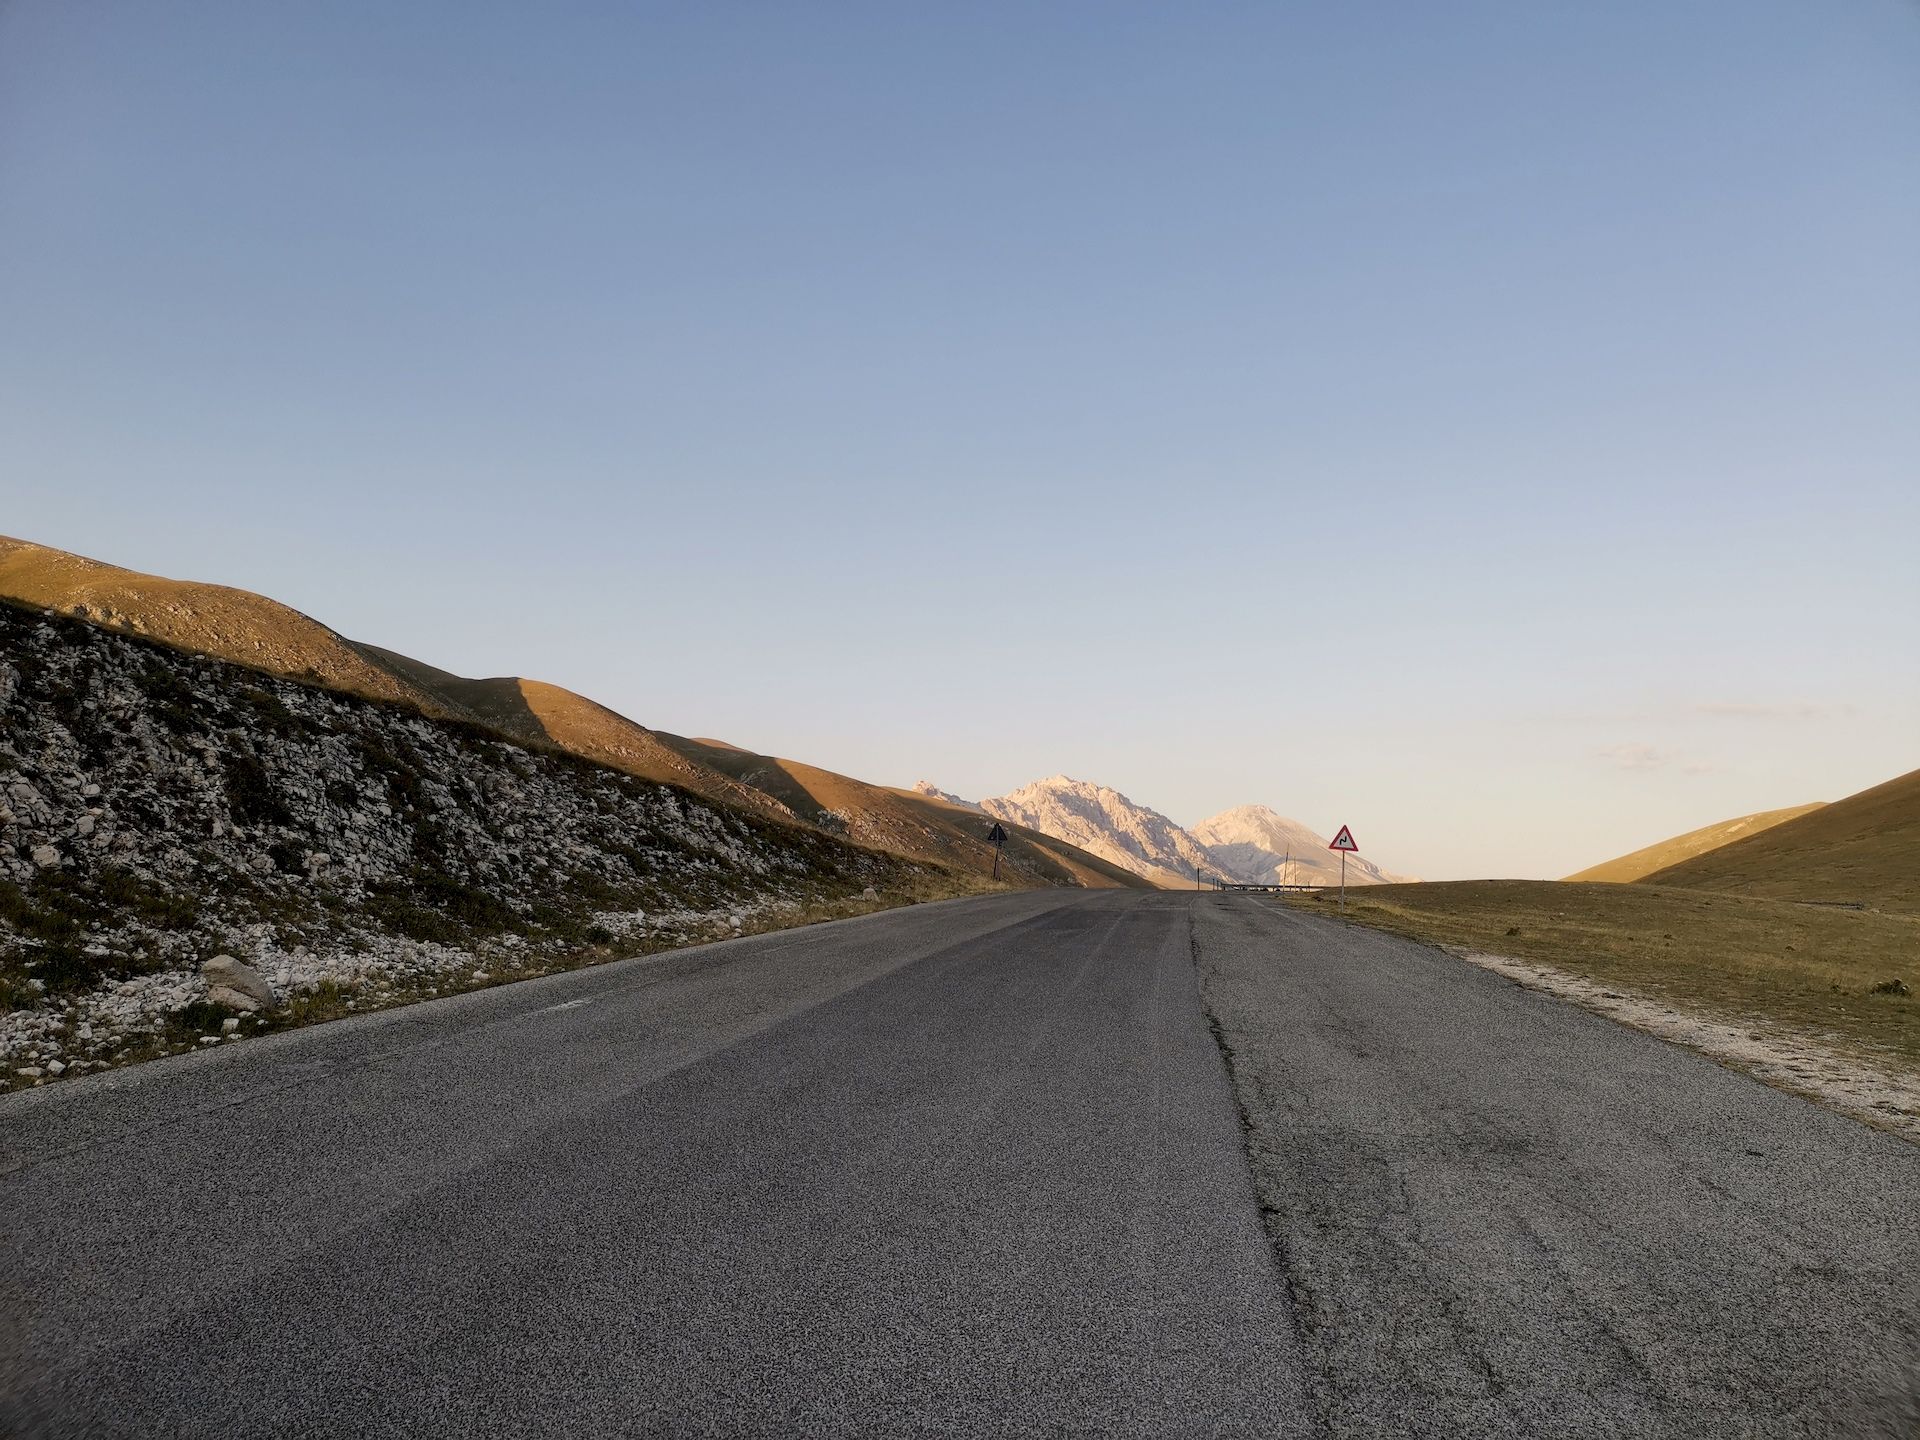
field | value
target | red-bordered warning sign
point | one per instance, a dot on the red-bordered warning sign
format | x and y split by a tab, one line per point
1344	841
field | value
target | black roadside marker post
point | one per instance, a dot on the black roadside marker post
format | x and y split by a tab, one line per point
997	837
1343	842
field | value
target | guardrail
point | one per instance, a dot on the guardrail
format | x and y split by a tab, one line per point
1264	889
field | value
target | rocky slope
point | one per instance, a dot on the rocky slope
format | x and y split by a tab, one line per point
1252	843
159	809
1106	823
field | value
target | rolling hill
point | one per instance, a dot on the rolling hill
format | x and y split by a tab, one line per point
1863	849
1643	862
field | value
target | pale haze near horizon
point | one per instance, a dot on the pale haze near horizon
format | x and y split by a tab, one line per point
1494	427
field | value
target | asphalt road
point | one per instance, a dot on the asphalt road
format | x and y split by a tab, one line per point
1073	1163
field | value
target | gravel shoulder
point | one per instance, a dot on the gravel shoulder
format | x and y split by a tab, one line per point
1781	1056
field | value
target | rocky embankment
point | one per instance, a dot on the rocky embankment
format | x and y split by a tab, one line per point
192	851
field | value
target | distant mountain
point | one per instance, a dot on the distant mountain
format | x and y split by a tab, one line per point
1106	823
928	826
1249	844
1643	862
1864	849
934	792
1252	843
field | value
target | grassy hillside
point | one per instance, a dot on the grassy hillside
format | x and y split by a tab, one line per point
904	821
1864	849
1818	969
1643	862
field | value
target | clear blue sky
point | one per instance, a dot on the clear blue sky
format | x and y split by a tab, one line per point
1494	426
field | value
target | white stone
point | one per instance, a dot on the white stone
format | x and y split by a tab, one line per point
869	893
229	1025
56	1067
45	856
233	984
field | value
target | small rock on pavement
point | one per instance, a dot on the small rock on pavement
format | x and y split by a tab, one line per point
232	984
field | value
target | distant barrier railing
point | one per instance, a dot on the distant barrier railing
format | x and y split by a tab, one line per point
1220	884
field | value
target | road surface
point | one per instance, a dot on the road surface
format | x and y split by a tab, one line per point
1061	1163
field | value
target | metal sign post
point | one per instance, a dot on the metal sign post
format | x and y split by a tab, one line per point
997	837
1343	842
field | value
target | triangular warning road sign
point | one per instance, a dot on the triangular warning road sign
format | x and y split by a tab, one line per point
1344	841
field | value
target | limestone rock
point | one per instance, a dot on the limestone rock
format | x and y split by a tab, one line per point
233	984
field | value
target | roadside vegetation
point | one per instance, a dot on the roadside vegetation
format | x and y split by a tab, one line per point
1849	977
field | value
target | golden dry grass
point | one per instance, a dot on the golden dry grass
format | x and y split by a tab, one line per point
1812	968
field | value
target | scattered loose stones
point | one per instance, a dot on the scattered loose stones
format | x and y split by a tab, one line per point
233	839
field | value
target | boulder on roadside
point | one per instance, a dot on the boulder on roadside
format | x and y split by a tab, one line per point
869	893
237	986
